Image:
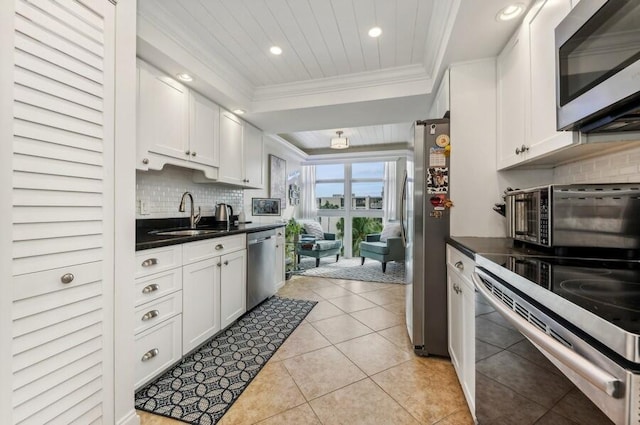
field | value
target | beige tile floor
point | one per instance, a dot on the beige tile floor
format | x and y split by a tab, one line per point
349	362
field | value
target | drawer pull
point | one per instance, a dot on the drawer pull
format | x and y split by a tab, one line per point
150	354
459	265
226	263
219	247
67	278
150	314
150	262
150	288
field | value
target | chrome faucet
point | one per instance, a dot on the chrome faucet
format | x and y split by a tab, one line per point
193	218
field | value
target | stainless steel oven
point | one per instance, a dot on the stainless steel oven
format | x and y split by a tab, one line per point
564	348
598	67
582	215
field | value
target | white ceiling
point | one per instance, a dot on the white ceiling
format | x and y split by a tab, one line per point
331	74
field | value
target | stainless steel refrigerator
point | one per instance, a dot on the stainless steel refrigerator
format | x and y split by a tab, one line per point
425	227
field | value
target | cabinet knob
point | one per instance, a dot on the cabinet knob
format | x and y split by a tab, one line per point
150	288
145	161
193	154
226	263
522	149
277	246
150	354
459	265
219	265
187	153
150	314
67	278
150	262
219	247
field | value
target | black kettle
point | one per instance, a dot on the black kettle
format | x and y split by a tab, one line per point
224	212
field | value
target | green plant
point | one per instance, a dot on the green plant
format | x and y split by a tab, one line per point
291	232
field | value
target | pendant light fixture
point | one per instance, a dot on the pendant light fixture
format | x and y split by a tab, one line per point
339	142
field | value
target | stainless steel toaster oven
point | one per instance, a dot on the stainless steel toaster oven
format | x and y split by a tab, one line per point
582	215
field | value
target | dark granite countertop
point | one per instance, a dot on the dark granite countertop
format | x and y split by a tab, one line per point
146	240
470	246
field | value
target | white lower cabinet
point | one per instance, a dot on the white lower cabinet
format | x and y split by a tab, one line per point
233	286
461	320
201	301
185	294
158	311
157	348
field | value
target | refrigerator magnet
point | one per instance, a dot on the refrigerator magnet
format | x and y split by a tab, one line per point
437	157
442	140
437	180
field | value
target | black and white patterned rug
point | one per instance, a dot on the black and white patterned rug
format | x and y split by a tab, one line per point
350	269
206	383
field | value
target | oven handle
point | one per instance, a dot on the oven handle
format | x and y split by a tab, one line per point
592	373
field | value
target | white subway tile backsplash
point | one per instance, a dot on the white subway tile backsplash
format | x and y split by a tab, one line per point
616	167
160	191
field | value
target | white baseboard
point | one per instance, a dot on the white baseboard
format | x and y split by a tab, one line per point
130	418
280	285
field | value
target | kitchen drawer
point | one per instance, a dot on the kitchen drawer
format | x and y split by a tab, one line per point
156	349
158	260
154	312
463	264
40	283
157	285
208	248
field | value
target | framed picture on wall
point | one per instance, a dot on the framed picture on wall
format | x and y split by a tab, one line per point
278	179
265	206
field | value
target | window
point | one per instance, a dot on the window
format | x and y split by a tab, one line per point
349	198
330	186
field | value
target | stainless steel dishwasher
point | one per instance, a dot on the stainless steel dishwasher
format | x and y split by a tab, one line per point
261	258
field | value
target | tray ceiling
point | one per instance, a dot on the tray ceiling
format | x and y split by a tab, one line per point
331	75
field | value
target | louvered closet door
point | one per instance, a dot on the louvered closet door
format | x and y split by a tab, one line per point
62	211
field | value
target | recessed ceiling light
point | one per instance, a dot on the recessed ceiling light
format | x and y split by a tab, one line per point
275	50
375	32
239	111
184	77
510	12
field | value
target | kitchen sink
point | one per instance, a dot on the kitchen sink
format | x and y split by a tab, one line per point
185	232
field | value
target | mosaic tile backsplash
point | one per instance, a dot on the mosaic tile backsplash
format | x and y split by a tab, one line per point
160	193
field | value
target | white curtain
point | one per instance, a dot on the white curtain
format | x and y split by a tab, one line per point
308	192
390	199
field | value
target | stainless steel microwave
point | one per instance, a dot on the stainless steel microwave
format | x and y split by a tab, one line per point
584	215
598	67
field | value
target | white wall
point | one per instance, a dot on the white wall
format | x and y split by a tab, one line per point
294	158
617	167
475	184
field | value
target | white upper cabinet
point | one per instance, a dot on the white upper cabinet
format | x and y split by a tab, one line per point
542	134
253	157
513	67
241	152
204	126
526	89
231	147
175	125
163	114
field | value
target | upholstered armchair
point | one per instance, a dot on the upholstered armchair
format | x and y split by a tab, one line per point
316	243
383	247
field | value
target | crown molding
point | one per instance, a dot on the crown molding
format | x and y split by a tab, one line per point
294	149
359	80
